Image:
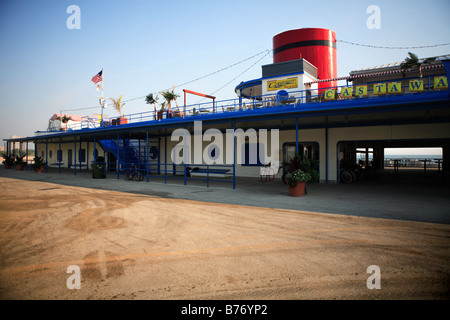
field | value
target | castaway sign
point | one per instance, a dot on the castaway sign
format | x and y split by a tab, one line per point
288	83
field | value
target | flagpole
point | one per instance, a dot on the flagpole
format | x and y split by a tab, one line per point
102	104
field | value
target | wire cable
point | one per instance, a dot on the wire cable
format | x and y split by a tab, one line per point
393	48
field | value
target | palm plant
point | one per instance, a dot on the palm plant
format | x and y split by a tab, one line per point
64	119
413	62
150	99
170	96
118	105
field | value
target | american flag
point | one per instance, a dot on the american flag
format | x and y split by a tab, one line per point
98	77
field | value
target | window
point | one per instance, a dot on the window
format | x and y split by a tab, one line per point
251	153
82	155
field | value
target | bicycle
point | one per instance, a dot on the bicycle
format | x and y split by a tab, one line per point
134	173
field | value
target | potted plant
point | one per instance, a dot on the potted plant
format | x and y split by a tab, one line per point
150	99
39	164
170	96
19	163
64	119
296	182
8	162
119	105
308	166
98	168
161	111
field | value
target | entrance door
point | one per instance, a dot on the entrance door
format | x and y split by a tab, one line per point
69	158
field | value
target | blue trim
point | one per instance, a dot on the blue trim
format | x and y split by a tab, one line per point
429	100
248	84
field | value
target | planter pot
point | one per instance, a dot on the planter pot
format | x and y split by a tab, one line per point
298	190
98	174
40	169
19	167
6	166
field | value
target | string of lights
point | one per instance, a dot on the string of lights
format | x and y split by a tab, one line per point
394	48
267	51
213	73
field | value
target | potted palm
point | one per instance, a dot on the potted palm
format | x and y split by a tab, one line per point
296	182
150	99
98	168
19	163
64	119
170	96
412	62
8	161
39	164
161	110
118	105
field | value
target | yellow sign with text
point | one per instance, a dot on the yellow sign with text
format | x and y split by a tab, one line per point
282	84
440	83
394	87
361	91
330	94
346	92
415	85
379	88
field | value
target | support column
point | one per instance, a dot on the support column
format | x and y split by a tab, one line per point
184	156
59	156
46	155
87	155
165	157
234	155
326	155
118	157
26	156
296	135
147	157
75	156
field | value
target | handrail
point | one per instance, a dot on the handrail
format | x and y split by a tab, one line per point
296	98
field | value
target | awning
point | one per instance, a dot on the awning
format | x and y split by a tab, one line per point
374	74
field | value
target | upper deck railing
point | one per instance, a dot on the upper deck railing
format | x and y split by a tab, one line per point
297	99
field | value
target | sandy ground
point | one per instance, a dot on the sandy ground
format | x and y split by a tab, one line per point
132	246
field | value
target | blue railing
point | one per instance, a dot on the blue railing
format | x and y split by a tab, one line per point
295	98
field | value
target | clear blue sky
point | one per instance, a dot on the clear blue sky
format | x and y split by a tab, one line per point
148	46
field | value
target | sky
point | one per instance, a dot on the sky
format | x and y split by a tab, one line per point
147	46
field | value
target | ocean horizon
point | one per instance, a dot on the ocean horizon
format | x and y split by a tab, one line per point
413	156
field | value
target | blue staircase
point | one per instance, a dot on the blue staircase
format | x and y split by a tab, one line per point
125	152
131	152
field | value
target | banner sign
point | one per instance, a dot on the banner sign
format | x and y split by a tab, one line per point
383	88
440	83
282	84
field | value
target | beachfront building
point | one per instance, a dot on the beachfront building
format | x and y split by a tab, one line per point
299	105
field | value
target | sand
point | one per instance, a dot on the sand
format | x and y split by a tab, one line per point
134	246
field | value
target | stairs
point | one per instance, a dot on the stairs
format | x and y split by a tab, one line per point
129	152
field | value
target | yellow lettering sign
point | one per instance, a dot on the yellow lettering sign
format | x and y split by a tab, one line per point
415	85
346	92
361	91
379	88
395	87
282	84
330	94
440	83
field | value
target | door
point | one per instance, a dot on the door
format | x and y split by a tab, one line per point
69	158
